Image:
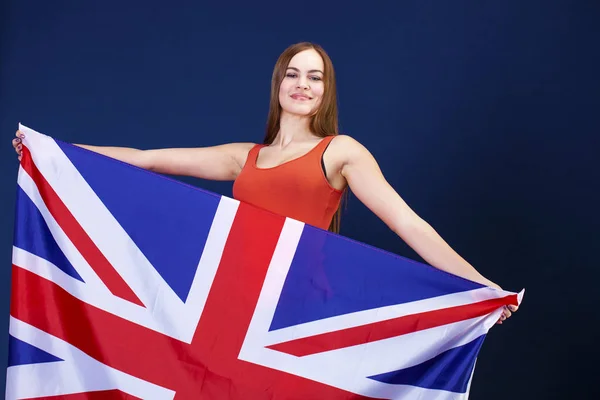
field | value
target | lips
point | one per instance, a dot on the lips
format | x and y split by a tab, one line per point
297	96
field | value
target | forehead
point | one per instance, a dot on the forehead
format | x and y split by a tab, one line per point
307	60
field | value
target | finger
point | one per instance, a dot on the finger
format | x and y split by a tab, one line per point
512	308
506	313
503	316
19	149
15	142
20	134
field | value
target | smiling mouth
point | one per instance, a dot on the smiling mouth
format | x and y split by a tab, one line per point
300	97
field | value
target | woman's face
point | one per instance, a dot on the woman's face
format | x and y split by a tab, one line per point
302	87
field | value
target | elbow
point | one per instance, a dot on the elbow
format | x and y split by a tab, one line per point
146	161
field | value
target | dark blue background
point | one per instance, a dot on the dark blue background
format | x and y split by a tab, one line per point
483	115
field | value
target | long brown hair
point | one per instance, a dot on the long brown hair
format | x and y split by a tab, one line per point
324	122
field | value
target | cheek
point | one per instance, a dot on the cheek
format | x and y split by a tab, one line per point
285	86
318	90
283	90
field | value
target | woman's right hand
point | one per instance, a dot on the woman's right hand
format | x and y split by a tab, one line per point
18	144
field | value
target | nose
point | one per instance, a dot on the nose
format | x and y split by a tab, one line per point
302	84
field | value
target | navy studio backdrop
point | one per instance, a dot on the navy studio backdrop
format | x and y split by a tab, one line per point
483	115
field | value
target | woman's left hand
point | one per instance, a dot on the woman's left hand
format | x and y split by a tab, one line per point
506	313
508	310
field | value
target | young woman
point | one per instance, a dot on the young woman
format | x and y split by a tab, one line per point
304	165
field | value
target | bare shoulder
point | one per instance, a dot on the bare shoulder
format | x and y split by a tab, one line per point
242	147
239	151
346	147
346	142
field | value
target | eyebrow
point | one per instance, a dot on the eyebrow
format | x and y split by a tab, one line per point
312	70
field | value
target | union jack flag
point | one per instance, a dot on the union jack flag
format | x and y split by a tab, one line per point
128	284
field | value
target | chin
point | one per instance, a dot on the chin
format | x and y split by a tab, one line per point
299	111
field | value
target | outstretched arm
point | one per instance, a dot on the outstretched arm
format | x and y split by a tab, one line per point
365	179
367	182
223	162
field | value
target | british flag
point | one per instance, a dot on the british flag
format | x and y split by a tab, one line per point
128	284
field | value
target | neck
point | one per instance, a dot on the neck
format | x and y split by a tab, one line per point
292	128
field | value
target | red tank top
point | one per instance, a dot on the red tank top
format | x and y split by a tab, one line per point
297	188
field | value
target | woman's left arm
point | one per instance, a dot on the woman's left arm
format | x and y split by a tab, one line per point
365	179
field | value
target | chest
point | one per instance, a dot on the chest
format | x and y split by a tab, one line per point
271	156
327	164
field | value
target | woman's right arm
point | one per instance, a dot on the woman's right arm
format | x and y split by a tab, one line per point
220	163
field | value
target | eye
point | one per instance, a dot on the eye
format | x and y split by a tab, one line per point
315	78
291	75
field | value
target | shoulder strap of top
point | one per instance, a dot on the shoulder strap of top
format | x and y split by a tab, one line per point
253	154
322	146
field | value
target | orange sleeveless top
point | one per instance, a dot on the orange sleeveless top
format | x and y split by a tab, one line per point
297	188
